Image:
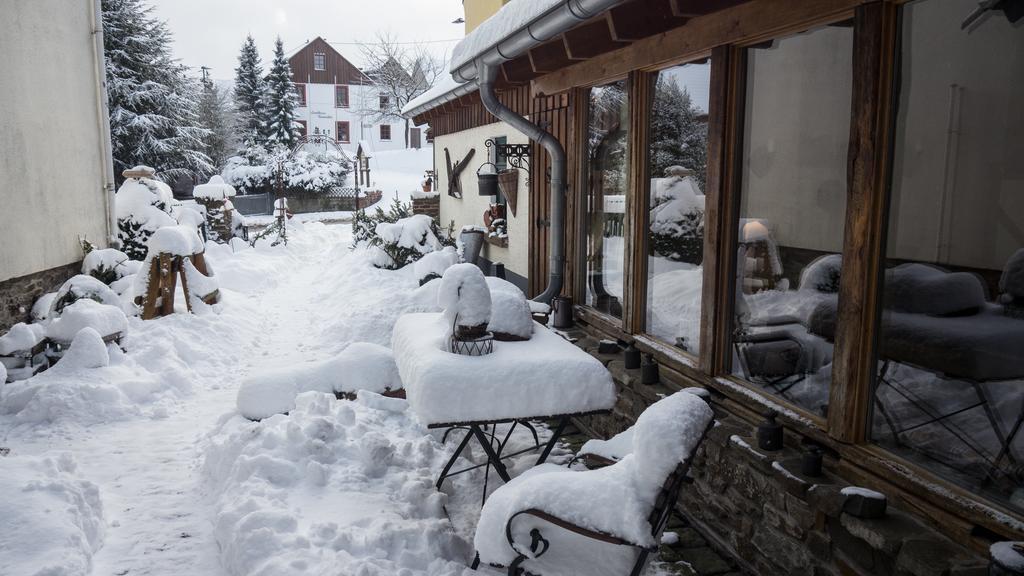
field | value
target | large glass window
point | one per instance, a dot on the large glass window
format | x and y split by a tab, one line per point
949	392
608	180
792	212
677	141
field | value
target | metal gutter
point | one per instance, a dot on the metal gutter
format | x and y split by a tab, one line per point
103	119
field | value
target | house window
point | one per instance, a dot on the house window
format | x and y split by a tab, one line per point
677	161
302	128
949	390
300	94
341	96
319	61
607	179
385	132
342	131
792	213
384	100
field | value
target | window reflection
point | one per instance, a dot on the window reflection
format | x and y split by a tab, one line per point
675	236
792	212
608	177
950	387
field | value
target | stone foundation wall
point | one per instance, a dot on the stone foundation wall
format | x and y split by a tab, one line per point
308	203
429	206
18	294
758	508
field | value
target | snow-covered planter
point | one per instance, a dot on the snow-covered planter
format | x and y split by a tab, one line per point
143	205
466	300
109	321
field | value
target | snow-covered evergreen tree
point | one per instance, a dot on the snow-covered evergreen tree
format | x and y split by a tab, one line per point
281	102
216	115
153	102
249	96
679	136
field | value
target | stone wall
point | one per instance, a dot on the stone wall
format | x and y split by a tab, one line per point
758	508
429	206
18	294
308	203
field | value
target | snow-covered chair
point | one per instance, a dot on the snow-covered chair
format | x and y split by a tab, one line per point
626	504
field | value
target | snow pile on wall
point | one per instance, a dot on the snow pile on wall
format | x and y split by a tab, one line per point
52	519
332	488
543	376
615	500
360	366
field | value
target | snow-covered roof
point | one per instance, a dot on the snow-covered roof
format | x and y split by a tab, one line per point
446	89
511	18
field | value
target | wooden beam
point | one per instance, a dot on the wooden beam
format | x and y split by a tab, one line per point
751	21
724	124
549	56
518	71
693	8
632	21
853	368
589	40
640	88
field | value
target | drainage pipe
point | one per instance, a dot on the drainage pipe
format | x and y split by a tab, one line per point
486	75
103	119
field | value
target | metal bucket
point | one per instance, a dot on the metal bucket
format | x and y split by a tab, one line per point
488	182
561	306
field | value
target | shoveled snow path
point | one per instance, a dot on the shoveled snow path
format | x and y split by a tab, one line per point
158	520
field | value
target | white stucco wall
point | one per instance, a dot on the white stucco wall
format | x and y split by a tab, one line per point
51	164
320	113
469	210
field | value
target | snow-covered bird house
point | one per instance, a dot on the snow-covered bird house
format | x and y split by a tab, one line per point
216	196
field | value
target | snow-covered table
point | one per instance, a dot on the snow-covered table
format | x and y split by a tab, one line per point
544	377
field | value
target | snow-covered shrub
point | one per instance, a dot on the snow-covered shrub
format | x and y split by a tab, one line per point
53	519
106	265
85	313
822	274
307	171
215	196
397	237
143	205
433	265
21	337
82	287
677	219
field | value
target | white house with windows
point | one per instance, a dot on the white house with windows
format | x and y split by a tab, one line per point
334	96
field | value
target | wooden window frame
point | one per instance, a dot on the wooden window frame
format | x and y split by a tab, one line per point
300	91
381	132
384	101
338	89
323	58
348	131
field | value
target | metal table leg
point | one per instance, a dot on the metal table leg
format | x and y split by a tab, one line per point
451	461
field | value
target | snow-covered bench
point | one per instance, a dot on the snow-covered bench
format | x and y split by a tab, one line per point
626	504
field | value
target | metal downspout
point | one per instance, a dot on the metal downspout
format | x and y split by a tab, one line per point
486	74
103	119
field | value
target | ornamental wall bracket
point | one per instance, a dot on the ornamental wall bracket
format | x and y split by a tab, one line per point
515	155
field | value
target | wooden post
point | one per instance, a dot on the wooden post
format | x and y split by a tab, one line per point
168	283
641	99
152	290
853	369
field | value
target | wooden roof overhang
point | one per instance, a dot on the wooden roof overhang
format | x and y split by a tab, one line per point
605	34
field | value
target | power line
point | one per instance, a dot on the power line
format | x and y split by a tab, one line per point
402	43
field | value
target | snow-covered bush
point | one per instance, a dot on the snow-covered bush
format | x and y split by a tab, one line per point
85	313
433	265
677	219
397	237
52	519
822	274
143	205
307	171
21	337
215	196
106	265
82	287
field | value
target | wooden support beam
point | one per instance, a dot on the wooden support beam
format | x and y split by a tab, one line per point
692	8
854	365
518	70
549	56
633	21
152	290
589	40
168	283
747	22
640	88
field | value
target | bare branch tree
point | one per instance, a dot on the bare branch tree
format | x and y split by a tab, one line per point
400	72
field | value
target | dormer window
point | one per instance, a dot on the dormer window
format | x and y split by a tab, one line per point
319	61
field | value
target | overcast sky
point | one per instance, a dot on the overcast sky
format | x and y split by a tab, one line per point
211	32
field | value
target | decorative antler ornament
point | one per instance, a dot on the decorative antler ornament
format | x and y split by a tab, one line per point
454	181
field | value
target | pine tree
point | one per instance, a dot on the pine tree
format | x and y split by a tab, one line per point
249	96
216	115
678	134
281	127
153	103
